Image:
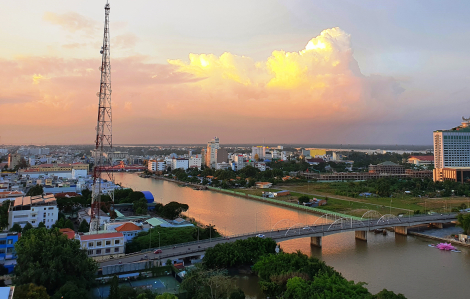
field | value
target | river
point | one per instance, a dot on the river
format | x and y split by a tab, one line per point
403	264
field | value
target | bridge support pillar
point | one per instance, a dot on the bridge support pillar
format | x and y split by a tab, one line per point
401	230
315	241
361	235
437	225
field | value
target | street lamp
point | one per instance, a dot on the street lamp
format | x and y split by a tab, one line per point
210	231
158	240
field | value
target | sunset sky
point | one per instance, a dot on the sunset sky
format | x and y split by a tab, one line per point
350	72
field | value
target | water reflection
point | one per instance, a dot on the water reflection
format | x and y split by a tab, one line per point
399	263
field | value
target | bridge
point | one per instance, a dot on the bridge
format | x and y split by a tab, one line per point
369	221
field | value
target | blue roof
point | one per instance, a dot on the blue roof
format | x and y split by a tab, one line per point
4	292
148	196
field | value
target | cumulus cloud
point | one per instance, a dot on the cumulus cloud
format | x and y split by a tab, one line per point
311	95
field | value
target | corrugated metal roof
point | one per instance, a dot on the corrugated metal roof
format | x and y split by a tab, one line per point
156	222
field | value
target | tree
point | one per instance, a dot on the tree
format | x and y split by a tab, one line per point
237	294
16	228
303	198
49	258
173	210
84	227
385	294
140	206
203	283
27	227
41	224
69	224
36	190
464	222
70	291
4	214
166	296
30	291
114	288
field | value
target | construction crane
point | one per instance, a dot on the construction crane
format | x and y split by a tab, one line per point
104	131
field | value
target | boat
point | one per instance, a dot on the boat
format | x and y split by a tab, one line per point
445	247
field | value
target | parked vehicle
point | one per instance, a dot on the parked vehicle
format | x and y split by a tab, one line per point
260	236
157	251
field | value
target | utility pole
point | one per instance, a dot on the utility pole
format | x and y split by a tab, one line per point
104	132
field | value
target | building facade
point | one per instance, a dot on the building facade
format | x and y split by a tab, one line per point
195	162
258	150
451	149
179	163
387	168
7	250
13	160
211	152
103	245
33	209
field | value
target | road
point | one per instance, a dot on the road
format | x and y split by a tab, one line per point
297	231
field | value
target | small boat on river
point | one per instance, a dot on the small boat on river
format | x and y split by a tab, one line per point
445	247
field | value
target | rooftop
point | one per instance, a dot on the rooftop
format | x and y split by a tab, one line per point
100	236
127	227
423	158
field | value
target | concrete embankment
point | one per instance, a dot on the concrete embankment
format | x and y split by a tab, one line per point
453	242
303	208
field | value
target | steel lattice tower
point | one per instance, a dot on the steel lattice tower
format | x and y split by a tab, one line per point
104	129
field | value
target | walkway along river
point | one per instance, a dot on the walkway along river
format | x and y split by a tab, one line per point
404	264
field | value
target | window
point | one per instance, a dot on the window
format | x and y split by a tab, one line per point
108	243
44	215
98	251
51	208
33	221
2	242
90	252
10	250
2	250
116	242
44	209
9	241
48	214
90	244
116	249
98	243
32	209
108	250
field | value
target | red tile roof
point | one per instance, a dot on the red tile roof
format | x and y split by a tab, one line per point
67	231
101	236
127	227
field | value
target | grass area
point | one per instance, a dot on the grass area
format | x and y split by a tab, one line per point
405	204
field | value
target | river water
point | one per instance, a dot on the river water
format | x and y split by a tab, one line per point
403	264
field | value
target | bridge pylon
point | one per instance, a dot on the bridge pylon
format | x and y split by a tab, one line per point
315	241
361	235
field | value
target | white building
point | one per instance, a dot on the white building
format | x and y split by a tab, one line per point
452	147
258	150
85	214
156	165
79	173
179	163
34	210
103	245
195	162
223	166
260	165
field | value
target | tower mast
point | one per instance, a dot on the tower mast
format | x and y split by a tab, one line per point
104	129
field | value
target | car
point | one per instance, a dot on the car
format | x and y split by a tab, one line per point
306	227
260	236
157	251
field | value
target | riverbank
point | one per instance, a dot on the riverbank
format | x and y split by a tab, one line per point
439	234
316	211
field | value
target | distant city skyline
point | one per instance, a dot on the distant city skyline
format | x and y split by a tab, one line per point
303	72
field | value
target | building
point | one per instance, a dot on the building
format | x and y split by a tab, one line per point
179	163
387	167
103	245
258	150
129	230
55	167
13	160
211	152
260	165
221	155
7	250
195	162
33	209
456	174
263	185
115	157
68	232
452	151
85	214
314	161
421	160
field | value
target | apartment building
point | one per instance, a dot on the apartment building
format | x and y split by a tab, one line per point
387	167
259	151
195	162
7	250
13	160
211	152
155	165
103	245
179	163
33	209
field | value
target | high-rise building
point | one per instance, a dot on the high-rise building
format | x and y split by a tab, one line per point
211	152
13	160
451	149
258	150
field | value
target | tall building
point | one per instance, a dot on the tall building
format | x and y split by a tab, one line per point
13	160
211	152
258	150
452	151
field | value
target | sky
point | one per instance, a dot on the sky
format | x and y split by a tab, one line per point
184	71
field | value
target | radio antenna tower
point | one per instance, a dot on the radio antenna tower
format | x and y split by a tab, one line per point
104	130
